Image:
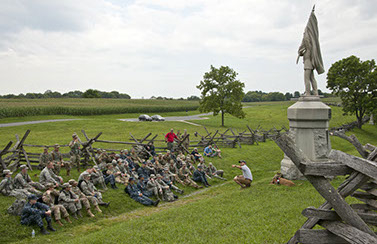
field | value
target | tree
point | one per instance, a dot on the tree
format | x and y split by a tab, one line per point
355	81
91	93
288	96
221	92
296	94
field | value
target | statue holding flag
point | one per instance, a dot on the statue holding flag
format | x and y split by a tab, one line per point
311	53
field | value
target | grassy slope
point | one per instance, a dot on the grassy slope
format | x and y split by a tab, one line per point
223	214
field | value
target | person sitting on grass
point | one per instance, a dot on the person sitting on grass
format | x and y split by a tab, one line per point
243	180
134	192
200	176
33	213
209	152
196	155
213	172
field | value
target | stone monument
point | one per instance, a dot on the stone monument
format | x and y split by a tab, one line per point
309	117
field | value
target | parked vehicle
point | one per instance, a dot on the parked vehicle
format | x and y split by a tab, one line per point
157	117
145	117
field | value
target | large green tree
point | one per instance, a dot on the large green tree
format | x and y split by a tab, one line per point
355	81
221	93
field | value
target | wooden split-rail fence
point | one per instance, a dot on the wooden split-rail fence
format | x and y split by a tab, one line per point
342	222
15	154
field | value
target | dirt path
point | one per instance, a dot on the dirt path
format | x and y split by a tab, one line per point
34	122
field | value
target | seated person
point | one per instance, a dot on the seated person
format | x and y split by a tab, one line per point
195	154
33	213
209	152
7	186
200	176
48	176
134	192
23	181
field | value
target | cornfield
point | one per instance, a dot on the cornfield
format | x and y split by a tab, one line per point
72	106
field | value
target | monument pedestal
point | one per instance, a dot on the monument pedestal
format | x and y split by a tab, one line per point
308	126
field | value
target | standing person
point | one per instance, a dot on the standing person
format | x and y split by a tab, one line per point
57	157
169	138
243	180
75	151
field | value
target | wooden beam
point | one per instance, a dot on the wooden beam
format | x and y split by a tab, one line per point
348	232
333	216
141	141
319	237
354	141
361	165
27	159
325	169
4	151
364	195
322	185
23	139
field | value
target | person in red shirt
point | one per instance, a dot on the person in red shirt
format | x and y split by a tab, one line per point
169	138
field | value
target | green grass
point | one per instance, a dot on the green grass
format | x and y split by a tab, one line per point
71	106
222	214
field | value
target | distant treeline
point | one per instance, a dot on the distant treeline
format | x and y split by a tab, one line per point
259	96
90	93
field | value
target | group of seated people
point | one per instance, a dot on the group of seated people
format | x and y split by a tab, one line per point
156	177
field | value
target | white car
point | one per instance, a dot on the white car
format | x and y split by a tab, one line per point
157	117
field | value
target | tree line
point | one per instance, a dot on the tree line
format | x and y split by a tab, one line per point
90	93
259	96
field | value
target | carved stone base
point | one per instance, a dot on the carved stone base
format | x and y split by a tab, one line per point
308	122
289	170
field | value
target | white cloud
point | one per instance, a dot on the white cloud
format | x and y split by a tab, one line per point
163	47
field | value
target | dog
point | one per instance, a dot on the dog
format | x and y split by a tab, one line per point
279	180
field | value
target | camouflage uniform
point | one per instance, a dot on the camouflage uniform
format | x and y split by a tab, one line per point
213	172
184	175
67	199
154	187
44	158
57	157
7	189
75	153
48	176
167	195
89	189
136	195
23	181
57	210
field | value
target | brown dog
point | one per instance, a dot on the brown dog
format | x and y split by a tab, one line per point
278	180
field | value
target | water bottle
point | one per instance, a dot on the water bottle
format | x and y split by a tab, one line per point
33	233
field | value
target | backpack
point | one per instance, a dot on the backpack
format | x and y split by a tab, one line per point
16	207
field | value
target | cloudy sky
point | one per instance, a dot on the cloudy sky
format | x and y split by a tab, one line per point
163	47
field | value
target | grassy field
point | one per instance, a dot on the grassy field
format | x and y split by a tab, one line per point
220	214
85	106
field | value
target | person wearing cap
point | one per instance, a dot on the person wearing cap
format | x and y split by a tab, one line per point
246	178
142	186
173	178
70	200
200	176
97	177
57	210
134	192
48	176
143	170
196	155
154	187
87	187
213	172
33	213
167	179
44	158
174	171
75	151
23	181
184	176
110	175
7	186
83	198
57	157
167	194
169	139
